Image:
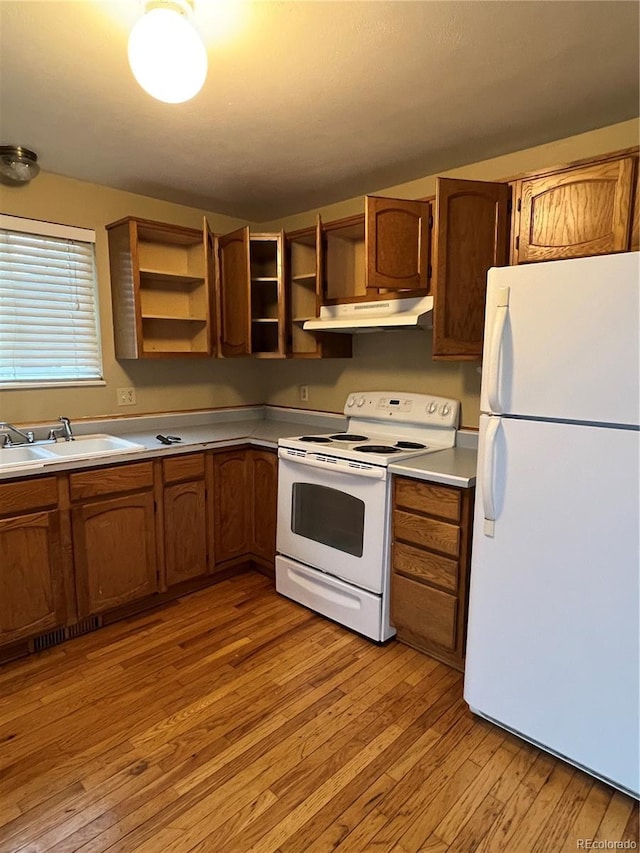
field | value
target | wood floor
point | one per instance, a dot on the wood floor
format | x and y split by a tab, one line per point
236	721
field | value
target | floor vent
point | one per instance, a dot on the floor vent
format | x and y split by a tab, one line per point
84	626
45	641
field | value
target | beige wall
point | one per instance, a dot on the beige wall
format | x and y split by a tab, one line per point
161	385
399	361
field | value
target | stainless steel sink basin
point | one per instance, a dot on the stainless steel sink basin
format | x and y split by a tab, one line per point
88	446
24	456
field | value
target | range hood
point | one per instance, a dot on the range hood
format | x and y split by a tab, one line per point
405	313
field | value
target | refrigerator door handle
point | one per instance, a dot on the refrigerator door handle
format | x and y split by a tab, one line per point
495	348
488	497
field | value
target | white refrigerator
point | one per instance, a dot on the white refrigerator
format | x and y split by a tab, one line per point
553	637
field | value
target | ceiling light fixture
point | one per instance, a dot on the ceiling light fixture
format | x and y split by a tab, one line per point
166	54
18	164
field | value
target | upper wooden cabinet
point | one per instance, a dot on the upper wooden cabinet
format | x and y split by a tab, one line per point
470	236
397	240
251	294
384	250
161	282
574	212
305	265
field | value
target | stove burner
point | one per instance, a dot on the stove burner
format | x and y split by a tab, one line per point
347	436
317	439
410	445
377	448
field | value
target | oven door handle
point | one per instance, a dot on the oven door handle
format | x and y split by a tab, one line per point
334	467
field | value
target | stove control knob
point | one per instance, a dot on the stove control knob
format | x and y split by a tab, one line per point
432	407
350	402
361	401
445	410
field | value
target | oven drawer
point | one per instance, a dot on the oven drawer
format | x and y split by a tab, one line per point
356	608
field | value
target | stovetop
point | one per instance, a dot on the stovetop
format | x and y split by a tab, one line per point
421	424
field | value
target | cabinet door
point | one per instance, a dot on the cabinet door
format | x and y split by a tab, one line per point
185	531
234	288
579	212
264	493
231	505
471	235
32	596
115	552
397	238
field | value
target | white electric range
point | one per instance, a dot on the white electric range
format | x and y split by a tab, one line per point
334	504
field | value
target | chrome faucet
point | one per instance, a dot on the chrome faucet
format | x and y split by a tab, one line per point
67	432
8	441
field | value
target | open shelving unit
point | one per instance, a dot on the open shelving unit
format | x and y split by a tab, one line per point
305	297
160	277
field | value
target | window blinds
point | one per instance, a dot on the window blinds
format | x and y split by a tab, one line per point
48	309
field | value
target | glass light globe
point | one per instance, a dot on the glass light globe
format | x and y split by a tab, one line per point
166	55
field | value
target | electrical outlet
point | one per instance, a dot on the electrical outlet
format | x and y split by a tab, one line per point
304	393
126	396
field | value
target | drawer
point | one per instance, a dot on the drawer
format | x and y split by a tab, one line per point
179	468
430	498
427	532
423	615
111	481
27	495
425	566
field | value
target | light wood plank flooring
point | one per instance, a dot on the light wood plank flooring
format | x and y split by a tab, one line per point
234	720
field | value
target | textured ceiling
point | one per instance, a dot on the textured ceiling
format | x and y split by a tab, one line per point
307	103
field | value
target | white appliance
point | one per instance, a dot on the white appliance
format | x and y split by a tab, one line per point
552	648
405	313
334	504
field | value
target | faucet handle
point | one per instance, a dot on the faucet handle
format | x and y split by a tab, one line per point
66	428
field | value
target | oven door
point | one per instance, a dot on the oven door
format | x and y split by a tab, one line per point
332	515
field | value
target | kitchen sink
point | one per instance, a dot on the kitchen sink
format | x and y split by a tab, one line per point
21	456
24	457
87	446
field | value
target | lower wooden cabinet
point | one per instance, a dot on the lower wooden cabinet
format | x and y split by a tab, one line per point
245	496
128	532
185	519
431	555
231	483
32	564
114	541
263	496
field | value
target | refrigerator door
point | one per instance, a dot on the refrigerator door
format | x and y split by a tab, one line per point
552	649
562	340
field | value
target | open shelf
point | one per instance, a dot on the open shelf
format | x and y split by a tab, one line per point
160	287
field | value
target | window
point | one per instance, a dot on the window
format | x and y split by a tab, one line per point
49	330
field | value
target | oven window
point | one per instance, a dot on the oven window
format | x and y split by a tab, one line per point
329	516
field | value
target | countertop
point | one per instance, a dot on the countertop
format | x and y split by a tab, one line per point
454	467
258	426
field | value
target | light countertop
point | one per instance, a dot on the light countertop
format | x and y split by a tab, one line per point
258	426
454	467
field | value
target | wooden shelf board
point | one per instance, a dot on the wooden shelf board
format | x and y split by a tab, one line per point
168	278
264	320
264	278
305	278
179	317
